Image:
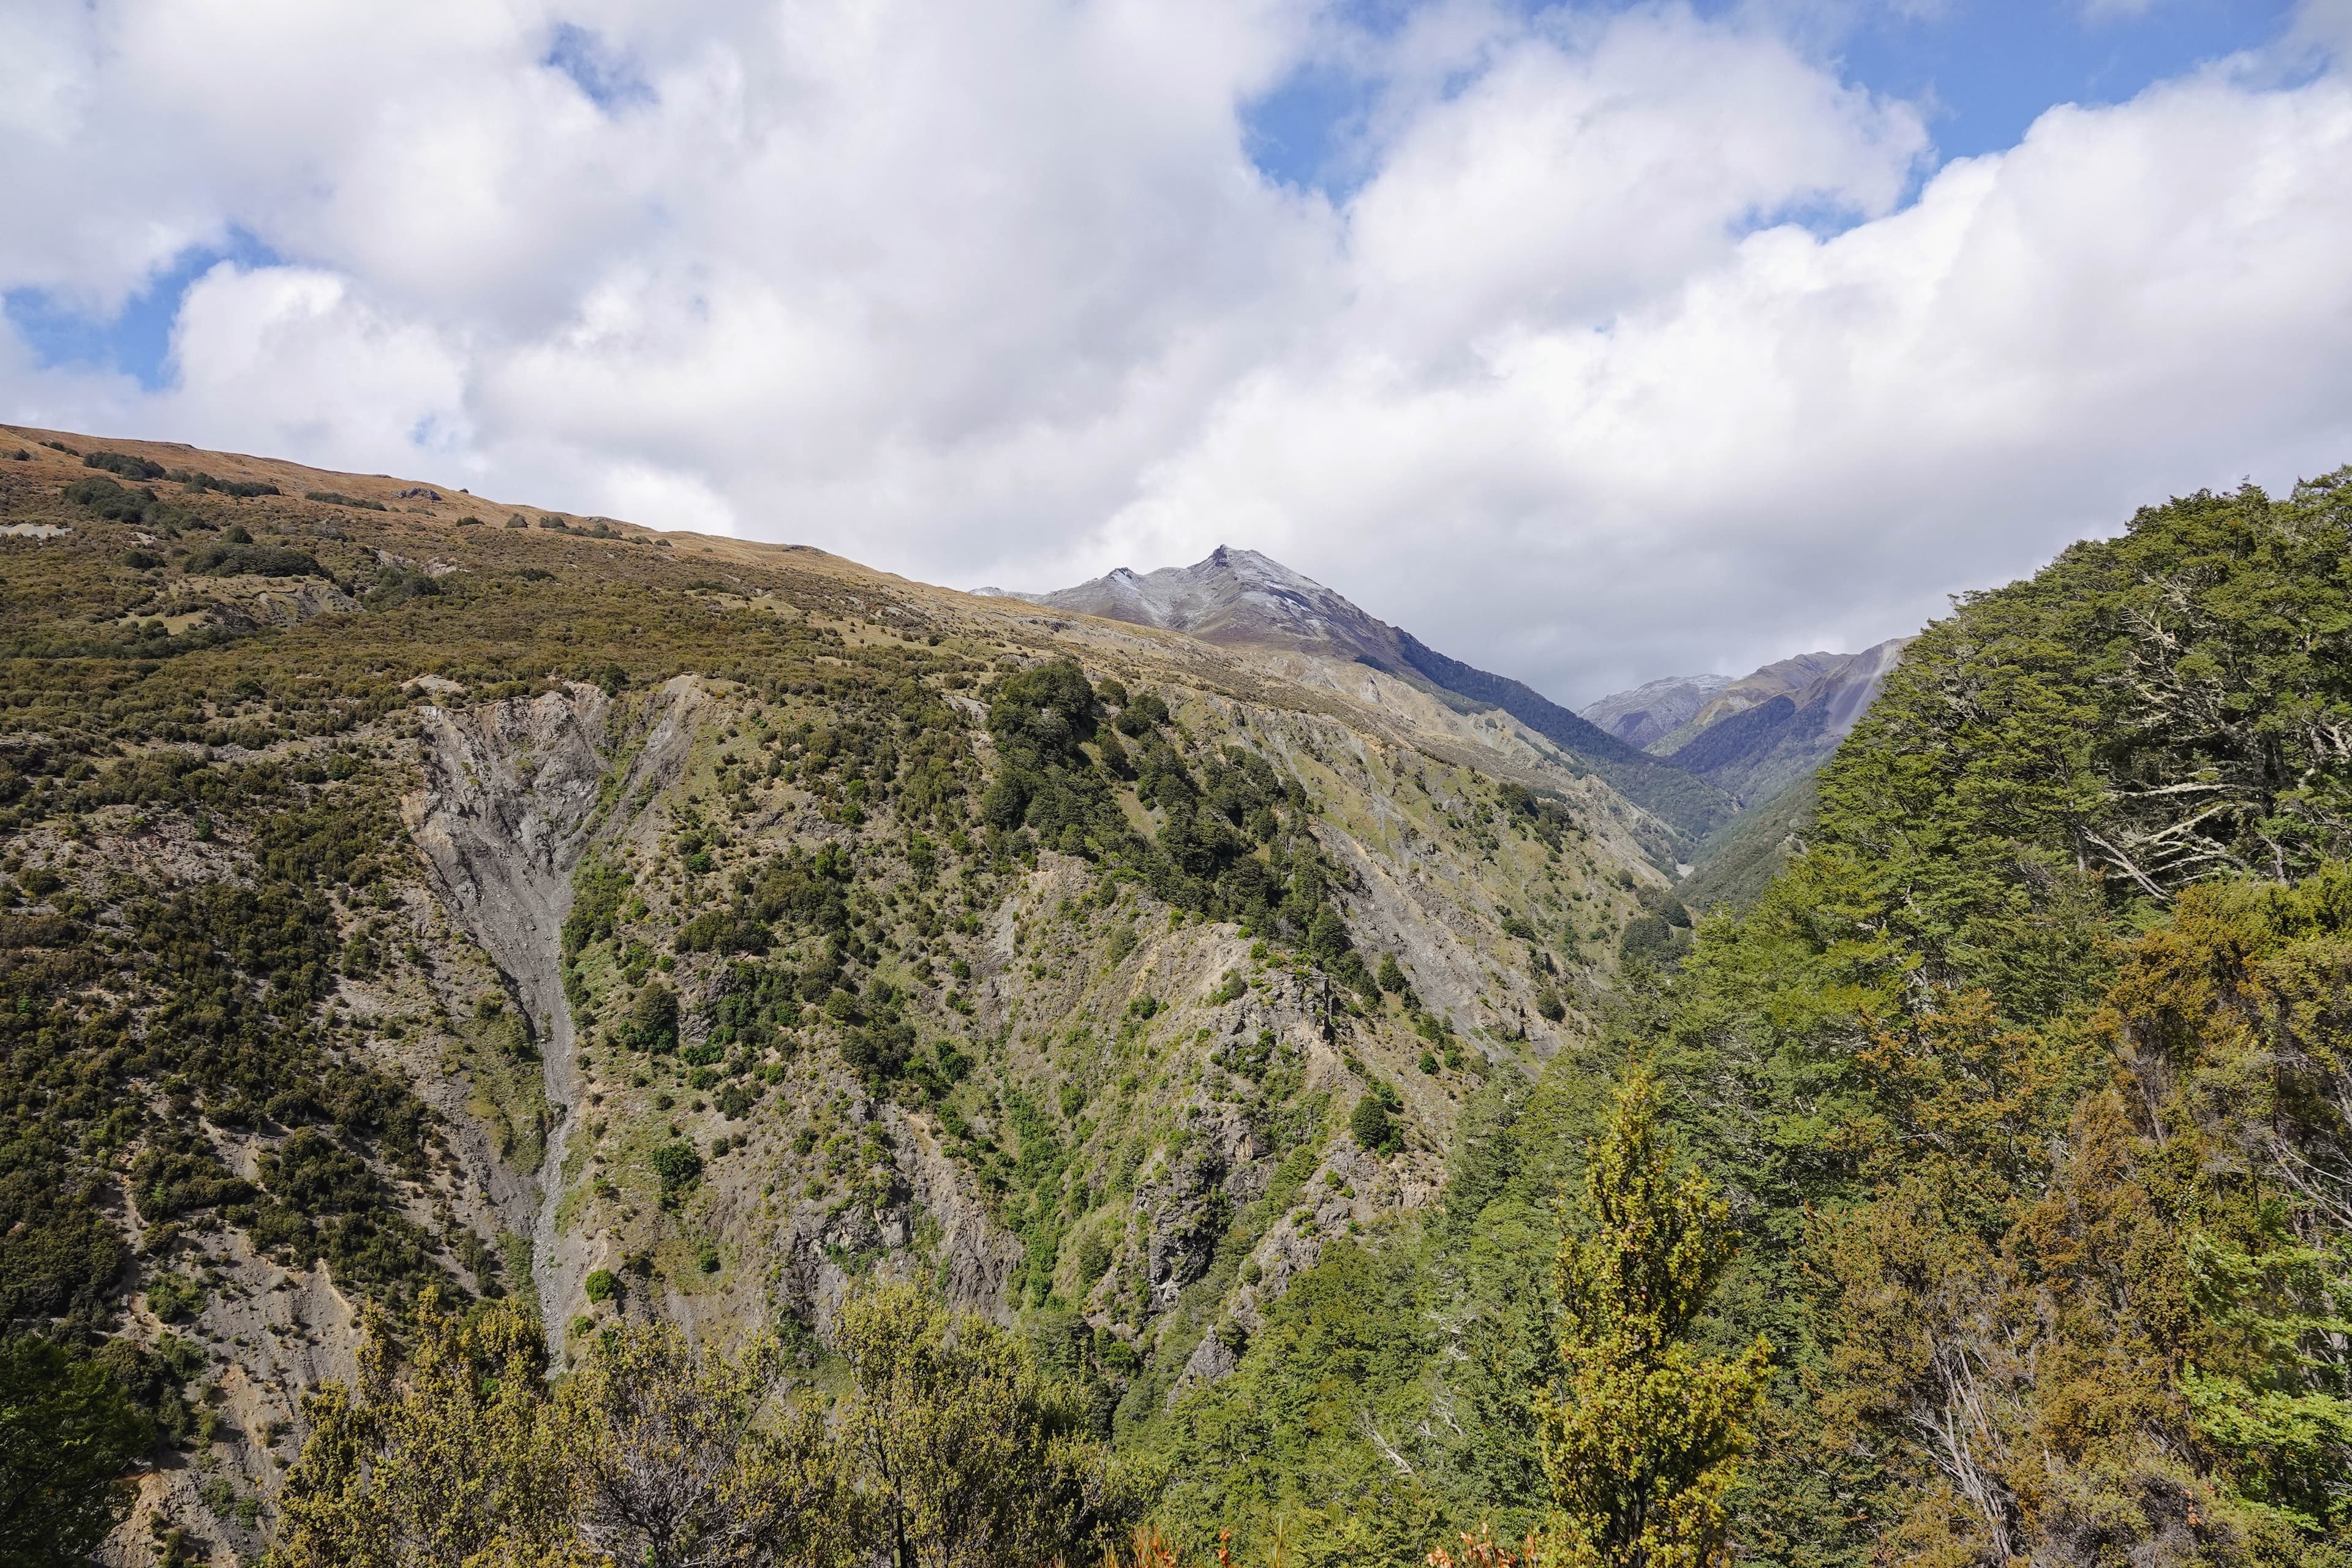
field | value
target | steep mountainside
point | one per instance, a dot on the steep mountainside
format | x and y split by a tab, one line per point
406	891
2028	1084
1656	708
1734	867
2066	967
1241	599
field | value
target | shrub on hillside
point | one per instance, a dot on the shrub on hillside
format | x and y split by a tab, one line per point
110	501
242	488
128	467
678	1166
397	585
335	497
253	559
1373	1121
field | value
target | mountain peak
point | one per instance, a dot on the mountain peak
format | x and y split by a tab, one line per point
1234	595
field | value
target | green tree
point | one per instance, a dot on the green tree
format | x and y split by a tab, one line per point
66	1435
1643	1437
678	1166
960	1452
2282	1418
676	1464
451	1457
1372	1123
653	1018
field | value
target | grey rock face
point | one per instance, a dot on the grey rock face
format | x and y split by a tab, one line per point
510	806
1236	597
1213	1361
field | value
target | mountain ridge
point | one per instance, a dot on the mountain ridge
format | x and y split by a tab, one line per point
1241	598
1755	751
1755	735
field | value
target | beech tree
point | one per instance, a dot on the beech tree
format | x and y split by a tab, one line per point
1643	1436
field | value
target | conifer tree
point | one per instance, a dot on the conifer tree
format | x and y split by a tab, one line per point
1643	1436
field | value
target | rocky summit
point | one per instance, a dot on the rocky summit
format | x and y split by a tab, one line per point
1239	598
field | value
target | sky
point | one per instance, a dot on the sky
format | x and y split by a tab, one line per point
1591	344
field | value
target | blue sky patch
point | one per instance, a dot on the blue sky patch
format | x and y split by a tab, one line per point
1989	70
609	77
136	341
1983	70
1303	133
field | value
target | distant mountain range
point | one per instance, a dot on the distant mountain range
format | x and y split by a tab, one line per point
1654	709
1241	598
1754	736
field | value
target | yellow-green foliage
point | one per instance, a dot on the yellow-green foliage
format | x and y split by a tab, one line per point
949	1445
955	1446
1643	1439
454	1456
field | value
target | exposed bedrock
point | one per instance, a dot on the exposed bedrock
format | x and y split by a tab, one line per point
514	794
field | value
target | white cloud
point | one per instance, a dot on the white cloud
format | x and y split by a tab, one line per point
1579	171
1809	441
993	292
289	361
